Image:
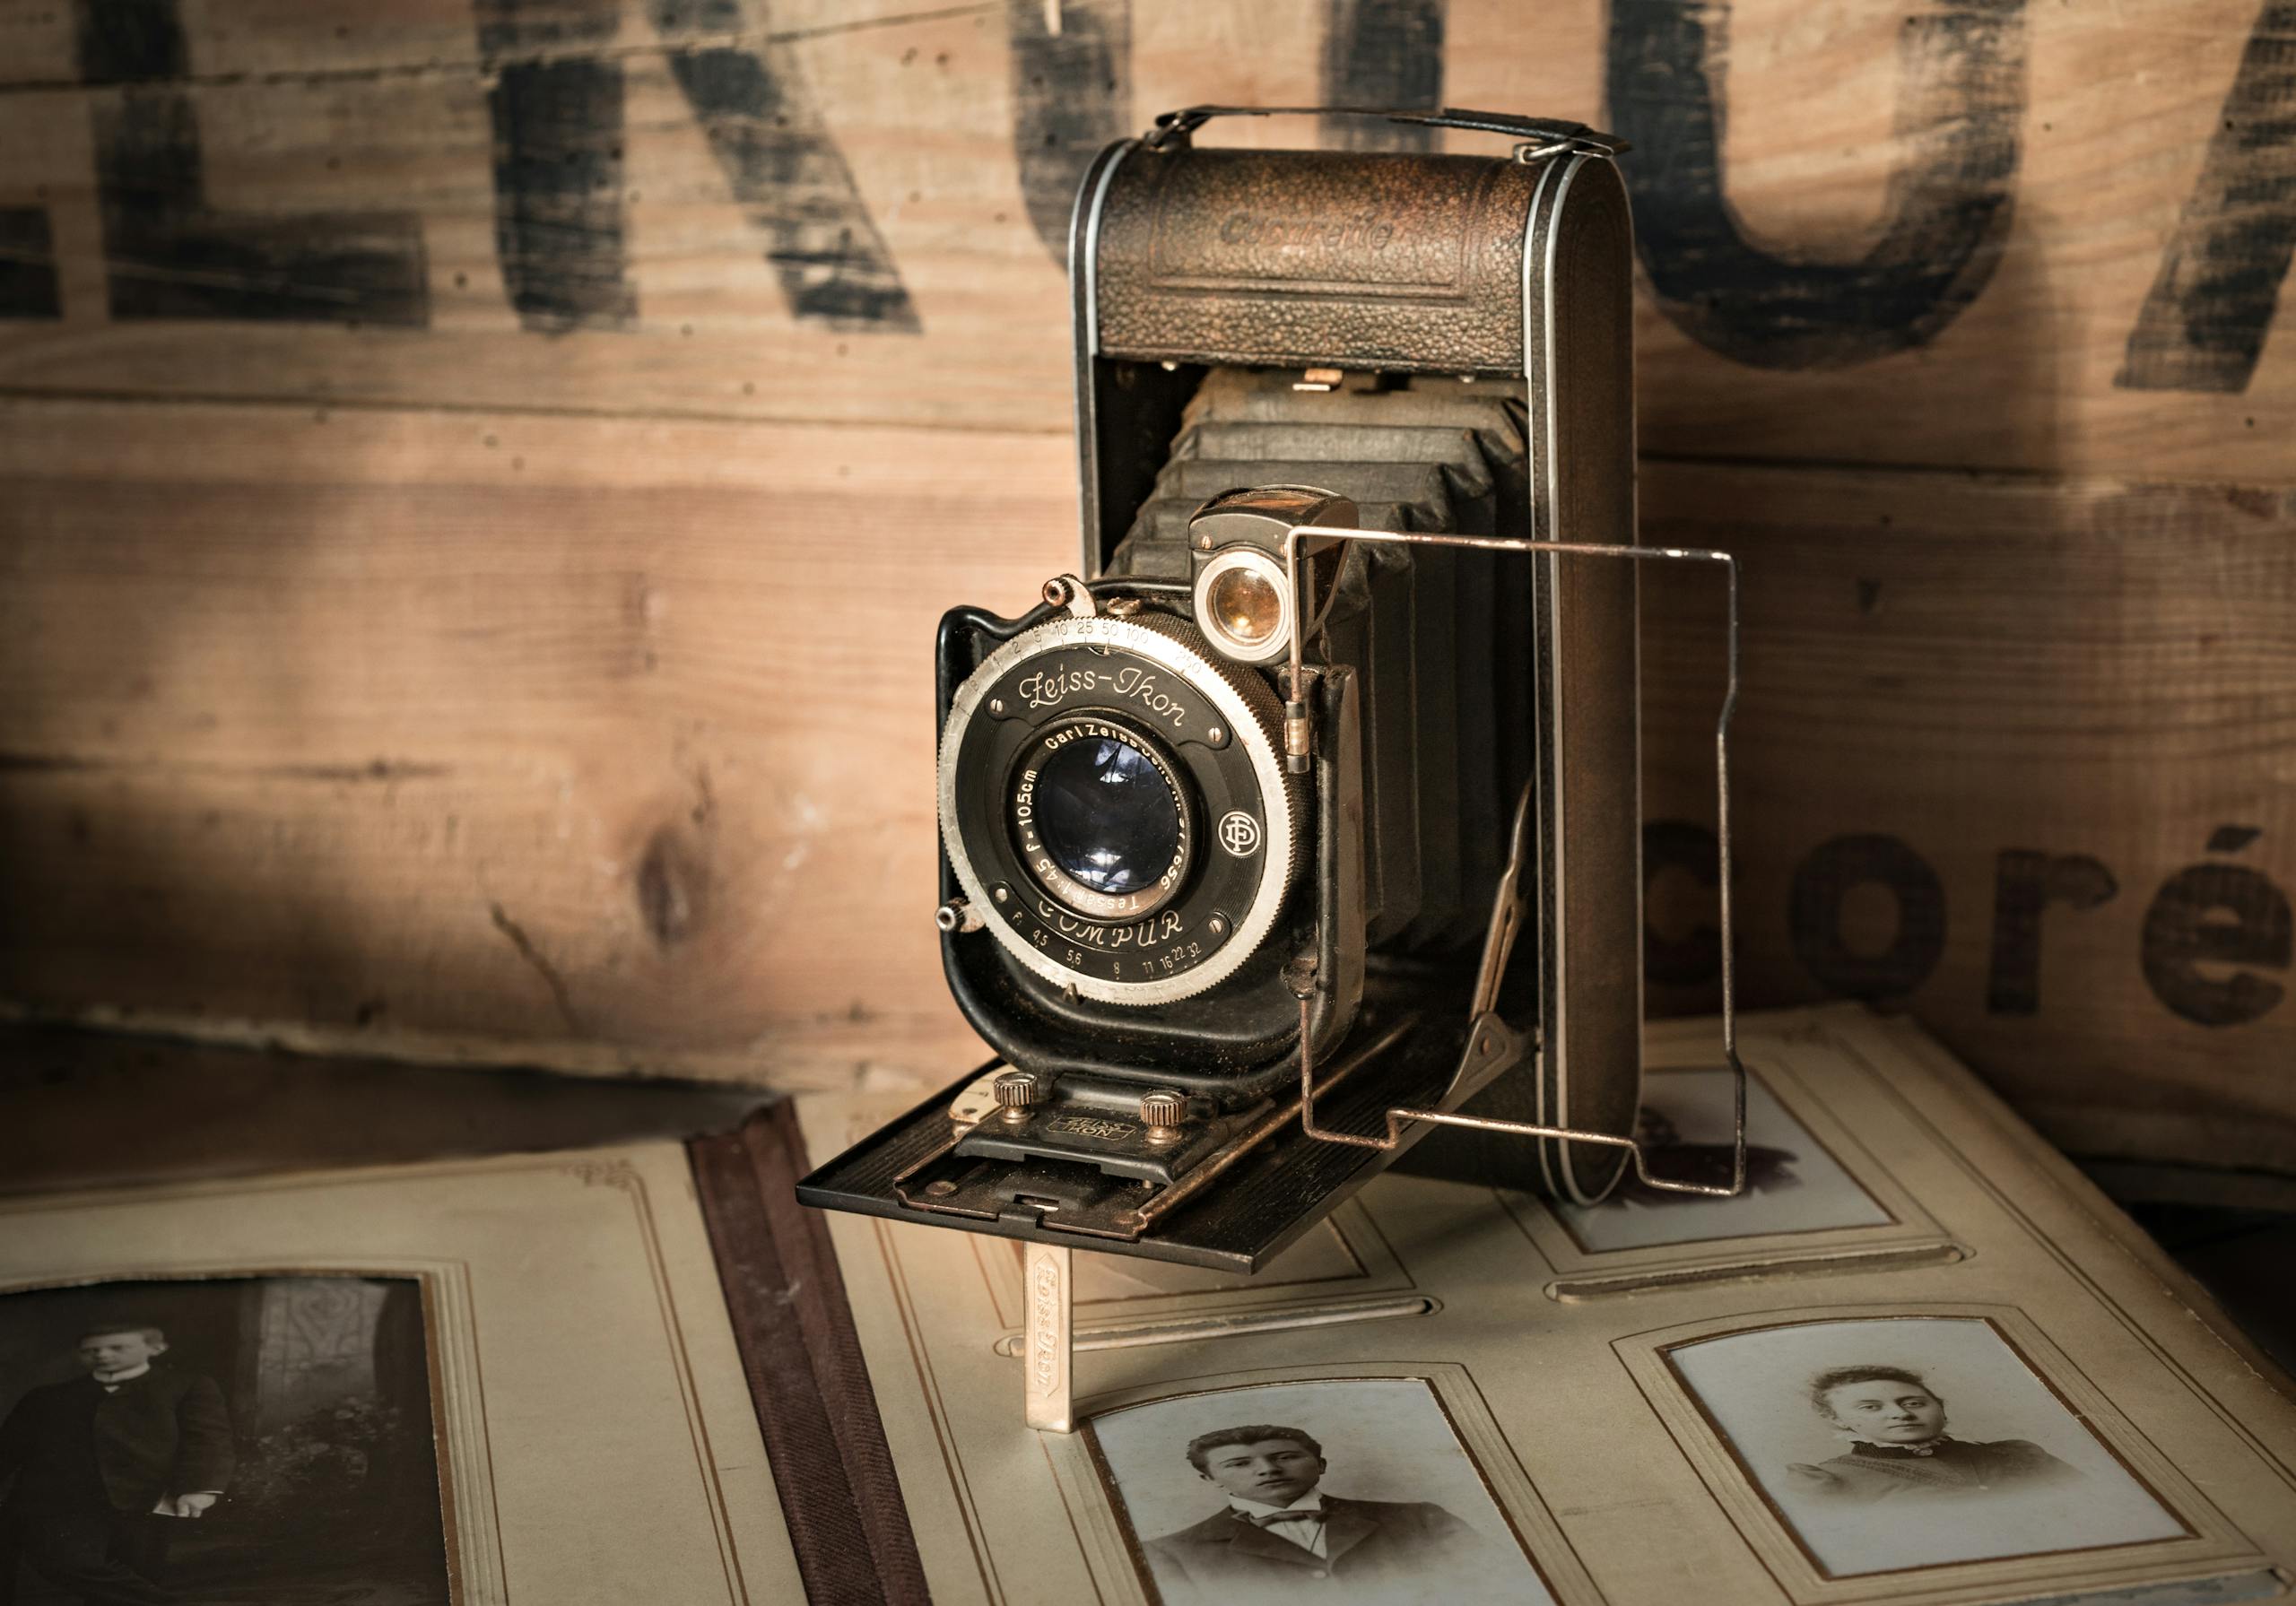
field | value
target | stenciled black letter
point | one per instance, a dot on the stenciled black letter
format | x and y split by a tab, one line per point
1960	96
168	254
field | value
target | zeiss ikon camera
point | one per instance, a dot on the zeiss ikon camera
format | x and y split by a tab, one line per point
1300	822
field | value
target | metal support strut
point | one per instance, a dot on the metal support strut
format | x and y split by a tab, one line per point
1502	928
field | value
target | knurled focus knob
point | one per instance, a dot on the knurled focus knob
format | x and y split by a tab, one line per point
1164	1109
1018	1092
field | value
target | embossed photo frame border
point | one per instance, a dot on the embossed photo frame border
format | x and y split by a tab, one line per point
1912	1237
1088	1488
1264	1302
467	1262
2210	1548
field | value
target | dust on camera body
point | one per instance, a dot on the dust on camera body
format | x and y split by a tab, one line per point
1301	821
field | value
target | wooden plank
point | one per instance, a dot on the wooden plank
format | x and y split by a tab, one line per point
2014	756
2004	235
607	745
482	733
82	1109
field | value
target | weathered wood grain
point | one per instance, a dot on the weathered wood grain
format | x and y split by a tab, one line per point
2018	757
617	739
477	478
607	744
2001	234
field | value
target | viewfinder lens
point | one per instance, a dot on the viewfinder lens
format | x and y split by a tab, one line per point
1246	606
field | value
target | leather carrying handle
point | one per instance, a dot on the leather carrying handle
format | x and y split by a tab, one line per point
1174	129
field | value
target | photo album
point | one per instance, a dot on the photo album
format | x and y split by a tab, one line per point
479	1381
1917	1359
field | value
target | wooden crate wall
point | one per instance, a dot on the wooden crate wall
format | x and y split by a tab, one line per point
477	478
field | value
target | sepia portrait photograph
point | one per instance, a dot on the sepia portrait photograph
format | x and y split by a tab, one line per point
1914	1442
1793	1184
1353	1490
220	1441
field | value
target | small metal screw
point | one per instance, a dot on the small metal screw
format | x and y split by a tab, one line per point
941	1189
1002	894
1204	542
996	705
1215	735
1219	926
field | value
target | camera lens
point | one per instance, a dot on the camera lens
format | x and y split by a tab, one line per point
1113	799
1106	815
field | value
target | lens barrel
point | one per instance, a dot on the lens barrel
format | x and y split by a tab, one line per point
1102	817
1114	800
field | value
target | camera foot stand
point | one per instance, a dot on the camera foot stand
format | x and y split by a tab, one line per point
1048	1341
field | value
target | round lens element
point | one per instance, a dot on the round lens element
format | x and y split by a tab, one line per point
1242	606
1246	607
1106	816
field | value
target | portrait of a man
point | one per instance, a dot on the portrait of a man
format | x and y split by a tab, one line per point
1901	1450
100	1469
218	1442
1891	1442
1280	1528
1358	1490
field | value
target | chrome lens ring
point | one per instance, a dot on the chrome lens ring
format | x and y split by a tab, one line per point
1221	727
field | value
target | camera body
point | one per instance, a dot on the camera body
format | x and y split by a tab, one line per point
1239	797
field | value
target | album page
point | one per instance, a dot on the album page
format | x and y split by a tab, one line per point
1917	1360
499	1379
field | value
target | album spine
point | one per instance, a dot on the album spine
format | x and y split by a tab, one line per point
801	1357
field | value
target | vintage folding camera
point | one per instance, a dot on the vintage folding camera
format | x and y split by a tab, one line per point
1302	821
